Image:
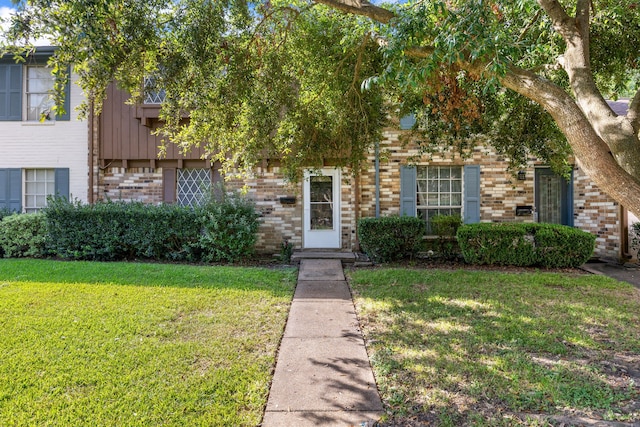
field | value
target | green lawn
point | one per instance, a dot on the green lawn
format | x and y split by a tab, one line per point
488	348
125	344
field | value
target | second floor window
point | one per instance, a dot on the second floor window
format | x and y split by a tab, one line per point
39	88
152	94
26	91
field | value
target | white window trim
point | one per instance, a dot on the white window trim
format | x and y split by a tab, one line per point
25	98
25	208
438	207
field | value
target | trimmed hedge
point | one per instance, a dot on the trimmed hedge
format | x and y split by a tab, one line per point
390	238
222	230
23	235
525	245
109	231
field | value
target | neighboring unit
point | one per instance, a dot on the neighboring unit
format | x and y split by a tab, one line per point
41	153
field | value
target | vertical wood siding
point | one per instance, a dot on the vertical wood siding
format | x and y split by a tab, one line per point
123	136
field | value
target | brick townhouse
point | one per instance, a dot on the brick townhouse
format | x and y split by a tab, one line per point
322	211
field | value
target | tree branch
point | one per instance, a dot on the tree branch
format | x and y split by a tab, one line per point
633	114
361	8
562	22
583	8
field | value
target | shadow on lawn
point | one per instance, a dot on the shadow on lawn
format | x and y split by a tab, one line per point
503	353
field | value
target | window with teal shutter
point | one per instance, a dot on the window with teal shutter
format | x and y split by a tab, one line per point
43	183
13	95
427	191
439	192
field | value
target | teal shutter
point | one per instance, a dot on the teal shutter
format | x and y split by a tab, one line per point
471	194
10	92
61	183
11	189
408	190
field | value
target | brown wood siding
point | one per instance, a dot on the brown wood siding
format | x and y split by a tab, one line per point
125	140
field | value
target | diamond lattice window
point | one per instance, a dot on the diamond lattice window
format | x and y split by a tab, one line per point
193	187
152	94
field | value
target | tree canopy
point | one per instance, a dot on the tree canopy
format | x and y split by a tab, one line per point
306	80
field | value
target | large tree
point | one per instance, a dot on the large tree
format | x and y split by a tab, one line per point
305	81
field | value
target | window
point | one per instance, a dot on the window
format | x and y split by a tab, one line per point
25	89
193	186
39	98
152	95
439	192
38	185
27	189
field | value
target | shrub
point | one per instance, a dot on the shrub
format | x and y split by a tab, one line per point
229	224
446	227
23	235
5	212
390	238
546	245
561	246
286	252
109	231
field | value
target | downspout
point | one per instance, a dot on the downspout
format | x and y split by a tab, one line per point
91	159
377	154
356	207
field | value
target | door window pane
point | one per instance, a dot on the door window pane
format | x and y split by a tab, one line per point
550	192
321	202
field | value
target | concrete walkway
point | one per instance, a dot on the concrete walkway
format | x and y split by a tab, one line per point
323	376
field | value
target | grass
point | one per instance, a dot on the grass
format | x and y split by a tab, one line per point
108	344
488	348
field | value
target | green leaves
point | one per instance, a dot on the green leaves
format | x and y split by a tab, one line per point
301	83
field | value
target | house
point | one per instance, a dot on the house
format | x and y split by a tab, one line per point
322	211
41	153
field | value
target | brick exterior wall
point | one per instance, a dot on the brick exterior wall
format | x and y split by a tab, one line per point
500	194
598	214
594	211
132	184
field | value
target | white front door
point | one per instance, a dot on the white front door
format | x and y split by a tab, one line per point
322	209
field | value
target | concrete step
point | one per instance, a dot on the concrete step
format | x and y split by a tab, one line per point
345	257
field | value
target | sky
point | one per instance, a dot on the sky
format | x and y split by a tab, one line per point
5	8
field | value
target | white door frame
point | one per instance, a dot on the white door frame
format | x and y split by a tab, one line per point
323	238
